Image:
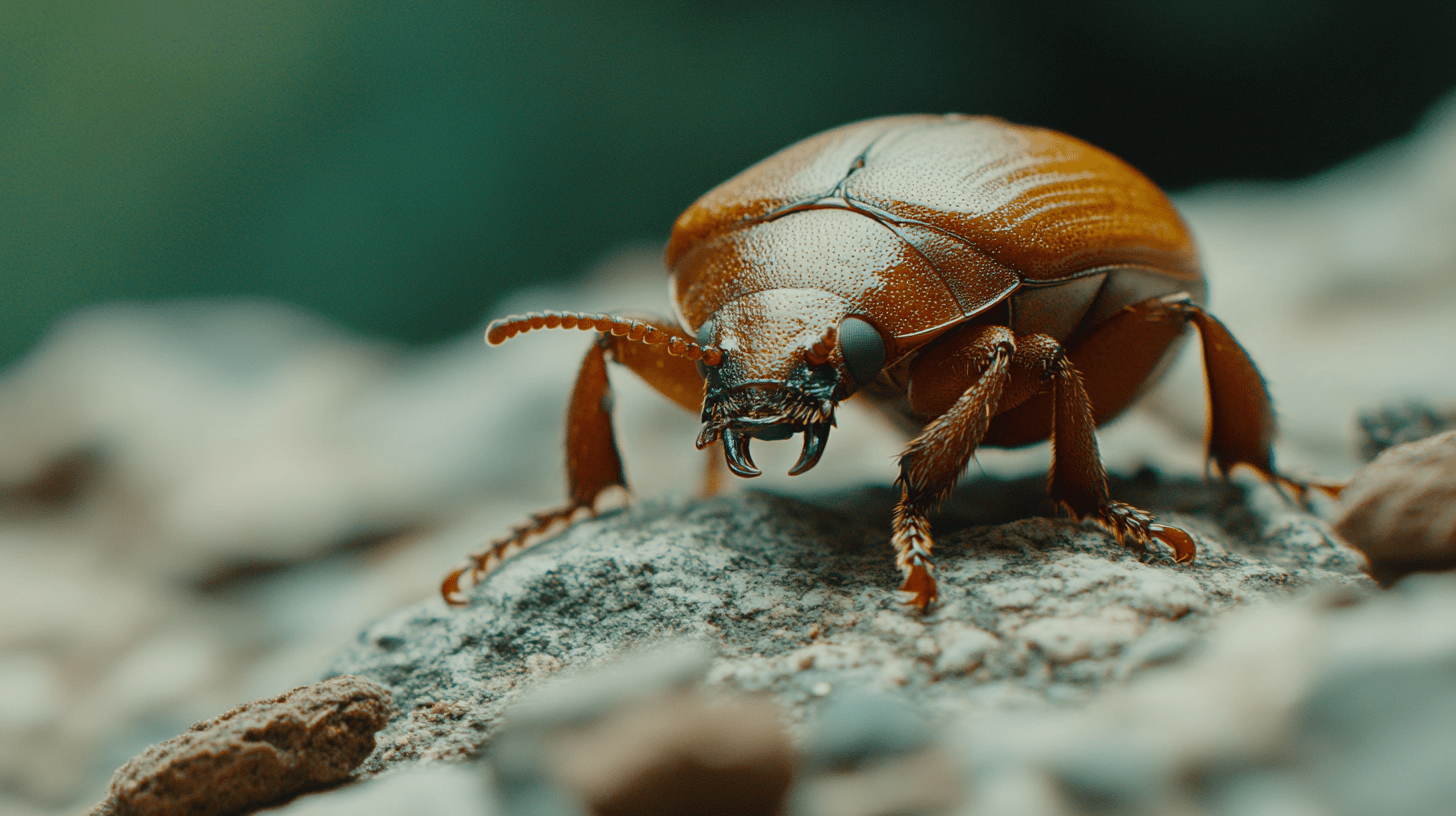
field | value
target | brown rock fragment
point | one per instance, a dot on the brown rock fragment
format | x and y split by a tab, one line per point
679	754
1401	508
257	754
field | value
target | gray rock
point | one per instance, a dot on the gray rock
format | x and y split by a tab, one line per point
1393	425
1293	707
644	737
797	600
436	790
624	752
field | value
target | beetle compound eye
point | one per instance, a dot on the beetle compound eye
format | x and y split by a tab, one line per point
864	350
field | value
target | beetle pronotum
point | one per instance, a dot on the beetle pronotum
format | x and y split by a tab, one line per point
981	282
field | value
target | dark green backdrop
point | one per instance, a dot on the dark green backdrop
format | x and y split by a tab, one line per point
398	166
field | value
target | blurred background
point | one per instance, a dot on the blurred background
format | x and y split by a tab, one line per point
246	251
397	167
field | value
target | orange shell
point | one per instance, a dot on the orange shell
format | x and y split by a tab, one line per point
924	221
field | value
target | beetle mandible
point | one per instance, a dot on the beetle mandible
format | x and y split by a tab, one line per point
981	282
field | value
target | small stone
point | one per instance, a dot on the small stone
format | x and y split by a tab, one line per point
1400	509
631	739
821	689
260	753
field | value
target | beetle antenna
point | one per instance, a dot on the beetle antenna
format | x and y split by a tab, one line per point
504	329
818	353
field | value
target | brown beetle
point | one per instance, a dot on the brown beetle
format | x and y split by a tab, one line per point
983	283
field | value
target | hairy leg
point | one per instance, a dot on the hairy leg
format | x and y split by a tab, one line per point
1077	479
993	371
979	364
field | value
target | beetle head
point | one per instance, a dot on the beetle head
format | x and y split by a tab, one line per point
783	371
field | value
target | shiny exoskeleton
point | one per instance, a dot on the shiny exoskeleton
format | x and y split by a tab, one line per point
984	283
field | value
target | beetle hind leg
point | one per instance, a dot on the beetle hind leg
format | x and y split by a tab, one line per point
1240	414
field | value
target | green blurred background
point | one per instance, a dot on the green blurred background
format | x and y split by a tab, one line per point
398	166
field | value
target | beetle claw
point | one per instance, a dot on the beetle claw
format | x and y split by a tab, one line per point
815	437
735	451
920	584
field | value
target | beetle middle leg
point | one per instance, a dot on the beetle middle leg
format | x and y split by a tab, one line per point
593	464
996	371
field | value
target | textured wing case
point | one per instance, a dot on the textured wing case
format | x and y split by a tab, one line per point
925	221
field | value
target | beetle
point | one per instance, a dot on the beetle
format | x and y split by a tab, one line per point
981	282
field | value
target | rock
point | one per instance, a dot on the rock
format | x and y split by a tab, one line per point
433	790
797	599
667	751
1400	510
1396	424
257	754
873	753
643	736
1287	708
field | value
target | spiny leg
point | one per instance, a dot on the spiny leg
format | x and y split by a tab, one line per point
934	460
593	464
1240	415
1077	479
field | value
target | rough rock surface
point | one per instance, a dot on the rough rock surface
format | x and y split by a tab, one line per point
648	735
1392	425
1400	509
1292	708
256	754
798	600
632	745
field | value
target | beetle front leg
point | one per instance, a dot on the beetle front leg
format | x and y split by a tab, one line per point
592	466
934	460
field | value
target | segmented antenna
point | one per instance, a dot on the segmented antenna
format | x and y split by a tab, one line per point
504	329
818	354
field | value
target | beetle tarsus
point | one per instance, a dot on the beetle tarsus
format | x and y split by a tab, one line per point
484	562
1178	540
815	437
912	544
920	583
735	452
1137	529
